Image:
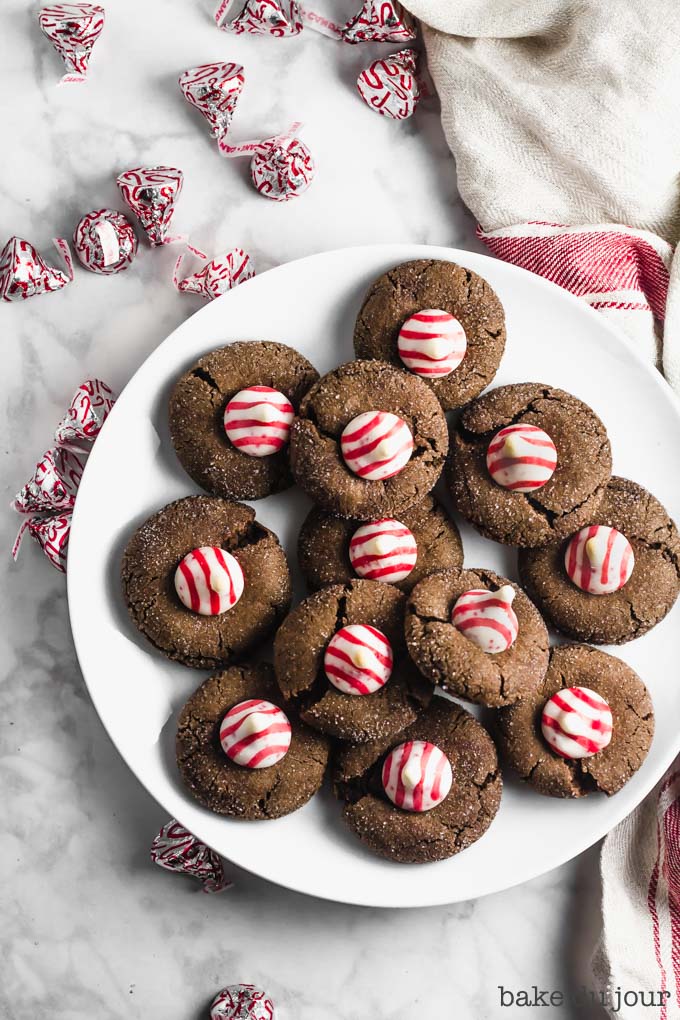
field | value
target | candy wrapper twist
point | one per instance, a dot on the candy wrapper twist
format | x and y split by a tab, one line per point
152	193
281	167
24	272
177	850
390	86
48	497
377	21
218	275
73	29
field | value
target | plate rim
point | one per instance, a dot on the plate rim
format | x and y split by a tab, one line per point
401	251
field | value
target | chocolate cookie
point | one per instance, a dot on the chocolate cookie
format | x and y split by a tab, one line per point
304	665
477	334
209	636
377	466
529	513
228	788
643	600
216	462
455	657
523	745
402	559
455	822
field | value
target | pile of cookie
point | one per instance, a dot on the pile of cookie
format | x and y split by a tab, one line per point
367	667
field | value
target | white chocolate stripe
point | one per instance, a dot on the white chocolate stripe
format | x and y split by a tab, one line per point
376	445
432	343
599	560
209	581
257	420
577	722
358	659
487	618
255	734
384	550
417	776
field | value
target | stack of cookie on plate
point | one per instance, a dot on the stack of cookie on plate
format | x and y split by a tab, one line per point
366	668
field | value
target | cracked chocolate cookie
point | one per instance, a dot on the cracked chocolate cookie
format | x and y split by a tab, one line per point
230	417
340	659
477	636
369	441
587	727
335	550
442	770
616	578
204	582
438	320
240	754
528	464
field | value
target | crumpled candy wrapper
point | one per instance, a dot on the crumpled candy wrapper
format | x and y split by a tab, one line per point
177	850
87	412
214	90
219	275
105	242
24	272
260	17
73	29
380	21
281	167
242	1002
152	192
48	498
390	86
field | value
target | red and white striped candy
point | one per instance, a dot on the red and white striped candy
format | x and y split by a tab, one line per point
260	17
358	659
521	458
218	275
432	343
214	90
383	550
380	21
389	85
283	168
577	723
90	407
242	1002
255	734
73	29
24	272
209	581
152	193
376	445
257	420
487	618
417	775
105	242
176	849
599	560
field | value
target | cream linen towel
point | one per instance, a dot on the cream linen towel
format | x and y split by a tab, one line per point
564	121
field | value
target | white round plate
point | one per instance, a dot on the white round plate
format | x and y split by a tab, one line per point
312	304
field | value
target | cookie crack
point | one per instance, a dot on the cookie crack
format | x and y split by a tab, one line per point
204	375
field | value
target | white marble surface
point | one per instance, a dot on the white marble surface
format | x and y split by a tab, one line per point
91	928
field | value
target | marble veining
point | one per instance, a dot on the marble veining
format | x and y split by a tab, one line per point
91	928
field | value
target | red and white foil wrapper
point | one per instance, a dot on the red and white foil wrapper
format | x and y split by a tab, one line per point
175	849
377	21
24	272
88	410
152	192
390	86
73	29
218	275
105	242
242	1002
214	90
259	17
281	168
48	498
54	484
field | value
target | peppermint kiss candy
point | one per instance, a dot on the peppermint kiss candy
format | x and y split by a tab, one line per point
380	21
283	169
90	407
599	560
390	87
52	535
214	90
219	275
255	734
487	618
24	272
257	420
376	445
577	723
417	775
261	17
54	484
175	849
209	580
73	29
383	551
521	458
152	192
358	659
242	1002
432	343
105	242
